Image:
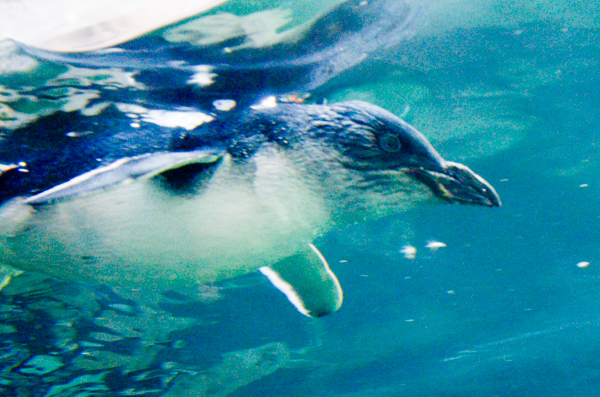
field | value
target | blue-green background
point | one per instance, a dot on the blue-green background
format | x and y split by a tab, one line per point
511	90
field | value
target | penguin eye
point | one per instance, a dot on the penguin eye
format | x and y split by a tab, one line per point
390	143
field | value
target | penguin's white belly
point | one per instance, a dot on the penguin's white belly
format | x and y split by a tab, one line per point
144	234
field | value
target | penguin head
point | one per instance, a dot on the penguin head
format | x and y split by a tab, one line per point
392	157
375	139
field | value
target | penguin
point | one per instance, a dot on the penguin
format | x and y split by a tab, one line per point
173	206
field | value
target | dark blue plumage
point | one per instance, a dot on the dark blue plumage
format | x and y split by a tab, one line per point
63	144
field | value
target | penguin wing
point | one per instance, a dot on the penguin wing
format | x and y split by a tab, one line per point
124	171
307	282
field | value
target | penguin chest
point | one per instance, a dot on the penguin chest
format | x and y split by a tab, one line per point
144	233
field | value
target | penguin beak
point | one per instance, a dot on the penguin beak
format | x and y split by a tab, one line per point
458	184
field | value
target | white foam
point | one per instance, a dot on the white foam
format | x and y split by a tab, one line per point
267	103
203	75
187	120
224	105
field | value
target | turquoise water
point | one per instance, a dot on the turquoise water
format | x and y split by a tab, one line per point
502	310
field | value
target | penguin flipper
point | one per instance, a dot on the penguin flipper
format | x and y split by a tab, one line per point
123	171
307	282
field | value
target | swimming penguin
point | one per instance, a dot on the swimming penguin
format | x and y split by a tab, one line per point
178	207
